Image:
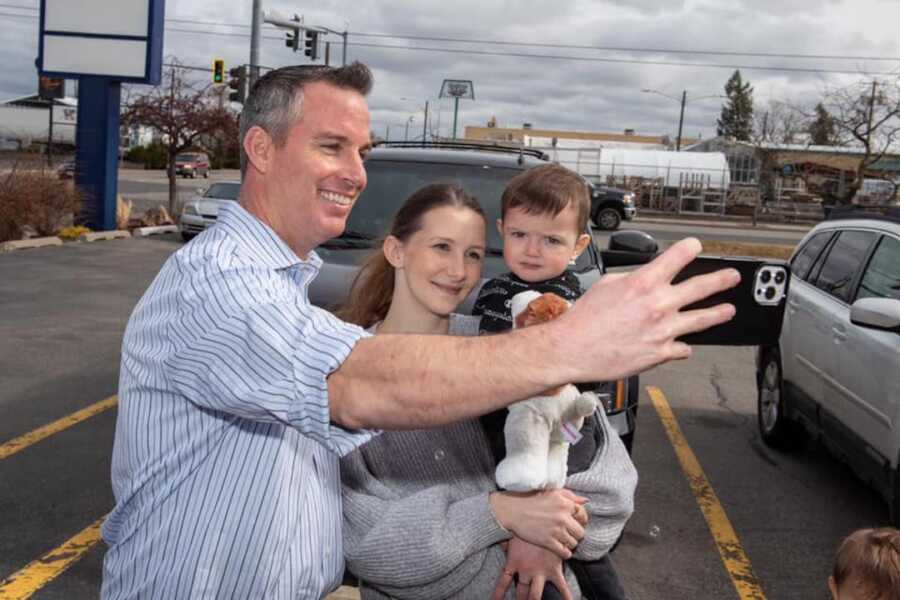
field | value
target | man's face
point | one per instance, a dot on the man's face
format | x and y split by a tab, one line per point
313	180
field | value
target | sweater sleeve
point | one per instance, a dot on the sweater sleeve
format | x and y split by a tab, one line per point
428	544
609	485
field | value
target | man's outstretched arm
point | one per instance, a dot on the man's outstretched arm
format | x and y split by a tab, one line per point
624	324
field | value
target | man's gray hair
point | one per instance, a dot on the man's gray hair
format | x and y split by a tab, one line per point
276	97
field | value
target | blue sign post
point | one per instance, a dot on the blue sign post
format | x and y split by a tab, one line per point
102	44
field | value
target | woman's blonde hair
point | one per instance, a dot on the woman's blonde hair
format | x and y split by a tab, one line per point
370	295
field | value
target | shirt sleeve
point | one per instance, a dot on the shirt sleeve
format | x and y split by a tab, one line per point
424	545
609	485
265	354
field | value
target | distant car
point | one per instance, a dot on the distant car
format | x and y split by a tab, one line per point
66	170
202	210
610	206
833	374
192	164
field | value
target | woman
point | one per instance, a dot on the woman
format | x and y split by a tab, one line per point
422	515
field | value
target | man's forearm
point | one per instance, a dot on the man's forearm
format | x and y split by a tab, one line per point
414	381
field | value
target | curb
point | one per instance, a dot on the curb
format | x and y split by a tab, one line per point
103	235
145	231
30	243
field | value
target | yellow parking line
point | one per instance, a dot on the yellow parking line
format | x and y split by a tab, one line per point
25	582
32	437
736	562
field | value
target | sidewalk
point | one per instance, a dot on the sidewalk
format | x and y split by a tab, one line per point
645	215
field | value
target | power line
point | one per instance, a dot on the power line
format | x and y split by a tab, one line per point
785	69
705	52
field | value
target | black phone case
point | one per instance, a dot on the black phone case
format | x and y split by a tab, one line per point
753	324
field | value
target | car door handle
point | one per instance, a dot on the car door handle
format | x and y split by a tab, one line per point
839	334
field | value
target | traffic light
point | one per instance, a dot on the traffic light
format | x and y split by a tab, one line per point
293	39
311	44
238	83
218	71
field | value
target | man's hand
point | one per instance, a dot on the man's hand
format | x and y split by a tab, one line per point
627	323
549	518
535	566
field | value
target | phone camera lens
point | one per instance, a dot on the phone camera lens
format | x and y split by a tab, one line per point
770	293
765	277
779	277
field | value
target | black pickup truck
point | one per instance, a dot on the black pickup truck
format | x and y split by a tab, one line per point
610	206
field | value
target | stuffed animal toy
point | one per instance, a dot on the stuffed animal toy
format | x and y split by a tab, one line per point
538	430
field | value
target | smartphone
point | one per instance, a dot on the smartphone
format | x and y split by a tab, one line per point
759	298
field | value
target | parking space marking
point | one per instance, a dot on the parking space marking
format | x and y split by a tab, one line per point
732	553
28	580
32	437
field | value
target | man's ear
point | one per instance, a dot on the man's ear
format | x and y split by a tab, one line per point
580	244
500	227
258	147
832	586
393	251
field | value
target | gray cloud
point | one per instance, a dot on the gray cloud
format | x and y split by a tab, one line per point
549	93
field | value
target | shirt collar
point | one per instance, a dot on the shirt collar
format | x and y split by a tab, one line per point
262	245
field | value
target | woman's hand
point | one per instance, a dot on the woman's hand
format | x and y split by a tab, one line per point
550	518
535	566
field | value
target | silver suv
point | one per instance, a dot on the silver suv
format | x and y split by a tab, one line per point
396	170
833	374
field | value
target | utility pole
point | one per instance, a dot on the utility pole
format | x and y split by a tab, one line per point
681	121
327	54
256	25
425	124
871	114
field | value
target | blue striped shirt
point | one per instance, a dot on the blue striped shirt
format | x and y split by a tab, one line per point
225	463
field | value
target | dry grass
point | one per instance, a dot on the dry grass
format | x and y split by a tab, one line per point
720	248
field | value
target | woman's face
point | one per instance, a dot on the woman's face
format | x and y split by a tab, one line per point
438	266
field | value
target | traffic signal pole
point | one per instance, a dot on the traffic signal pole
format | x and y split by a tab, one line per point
256	25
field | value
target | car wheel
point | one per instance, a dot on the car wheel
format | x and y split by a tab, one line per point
206	175
775	428
607	219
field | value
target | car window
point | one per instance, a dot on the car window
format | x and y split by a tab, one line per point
803	260
882	277
223	191
844	261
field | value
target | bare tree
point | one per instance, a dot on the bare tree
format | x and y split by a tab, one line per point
779	122
866	114
184	114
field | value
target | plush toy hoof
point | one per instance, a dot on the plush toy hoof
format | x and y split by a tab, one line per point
519	478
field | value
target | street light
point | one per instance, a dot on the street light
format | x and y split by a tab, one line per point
683	101
424	121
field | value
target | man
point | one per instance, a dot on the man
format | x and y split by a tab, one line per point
237	397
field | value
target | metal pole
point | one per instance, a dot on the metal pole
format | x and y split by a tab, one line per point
455	111
425	124
344	51
406	133
681	121
327	53
50	137
255	36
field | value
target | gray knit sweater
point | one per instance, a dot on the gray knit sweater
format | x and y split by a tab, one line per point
417	522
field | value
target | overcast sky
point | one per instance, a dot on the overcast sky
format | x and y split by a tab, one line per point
553	93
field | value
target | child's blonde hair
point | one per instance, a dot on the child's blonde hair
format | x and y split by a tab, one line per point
871	557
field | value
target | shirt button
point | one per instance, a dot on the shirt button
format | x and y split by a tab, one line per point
438	454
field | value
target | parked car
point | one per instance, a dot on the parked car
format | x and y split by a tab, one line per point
833	374
395	170
66	170
610	206
192	164
202	210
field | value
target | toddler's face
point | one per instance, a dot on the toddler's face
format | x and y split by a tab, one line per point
539	247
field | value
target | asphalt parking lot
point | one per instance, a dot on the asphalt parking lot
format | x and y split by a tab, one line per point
740	521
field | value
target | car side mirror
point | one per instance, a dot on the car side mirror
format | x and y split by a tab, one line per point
877	313
629	248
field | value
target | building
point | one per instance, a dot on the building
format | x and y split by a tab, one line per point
26	121
799	172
